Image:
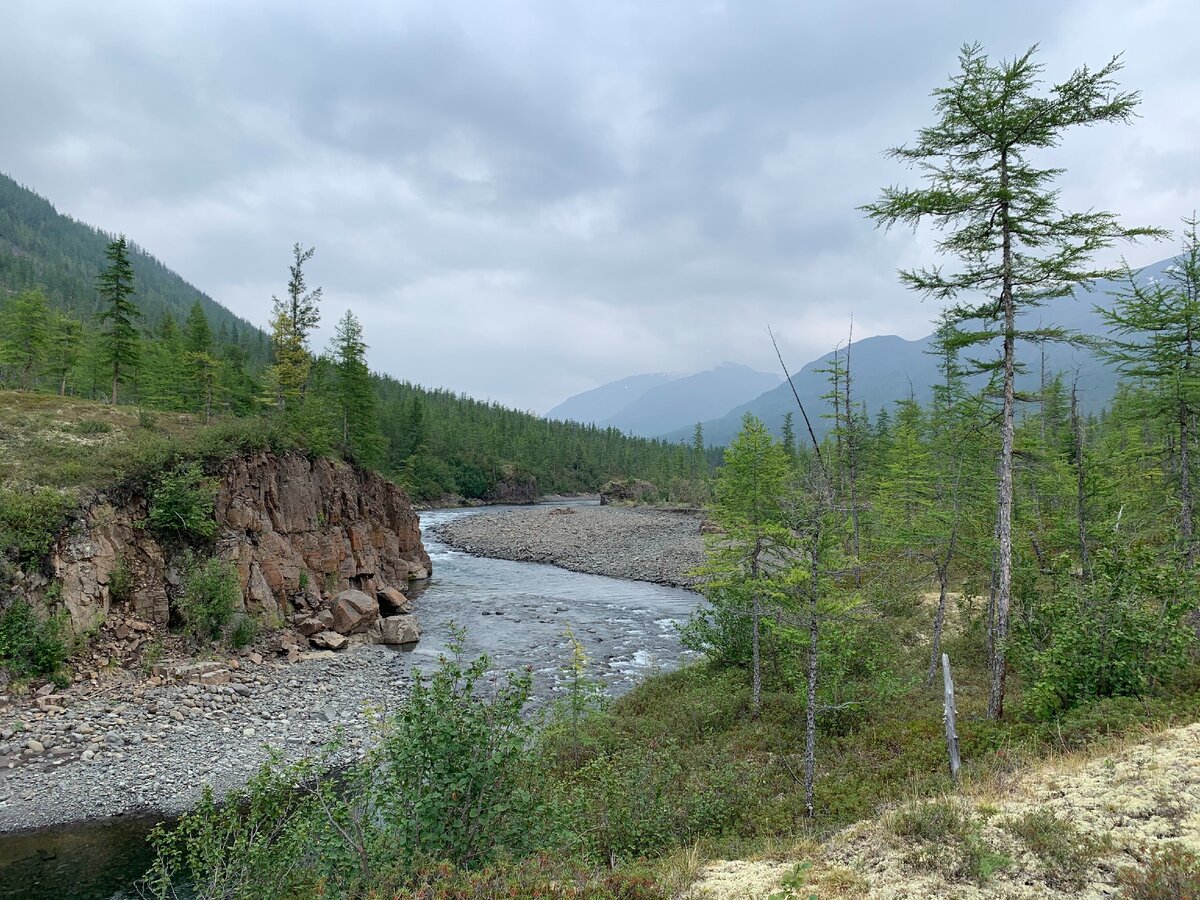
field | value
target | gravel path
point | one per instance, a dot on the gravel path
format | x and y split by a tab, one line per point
639	544
141	746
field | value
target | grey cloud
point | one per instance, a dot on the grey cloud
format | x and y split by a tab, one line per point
524	200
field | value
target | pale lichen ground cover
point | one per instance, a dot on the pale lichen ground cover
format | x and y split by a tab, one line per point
1117	806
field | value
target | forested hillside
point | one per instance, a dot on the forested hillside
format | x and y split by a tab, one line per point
87	316
43	248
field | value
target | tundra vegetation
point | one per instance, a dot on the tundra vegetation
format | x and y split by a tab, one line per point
1049	556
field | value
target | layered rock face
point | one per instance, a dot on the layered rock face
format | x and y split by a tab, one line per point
298	531
291	526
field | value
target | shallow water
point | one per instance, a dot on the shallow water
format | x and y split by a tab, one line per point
518	613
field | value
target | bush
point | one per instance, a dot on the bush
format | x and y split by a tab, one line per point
120	582
1171	873
210	594
450	771
1117	634
29	645
447	782
91	426
244	632
29	522
181	506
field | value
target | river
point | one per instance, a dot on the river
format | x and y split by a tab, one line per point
518	613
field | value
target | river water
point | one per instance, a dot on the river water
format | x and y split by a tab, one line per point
518	613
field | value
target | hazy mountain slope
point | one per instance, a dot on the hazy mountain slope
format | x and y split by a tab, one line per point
601	403
682	402
888	368
43	248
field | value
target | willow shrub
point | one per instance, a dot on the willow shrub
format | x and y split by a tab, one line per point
448	781
1116	633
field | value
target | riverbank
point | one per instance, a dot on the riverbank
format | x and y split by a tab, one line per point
142	745
639	543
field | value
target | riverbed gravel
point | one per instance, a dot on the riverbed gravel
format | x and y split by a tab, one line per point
638	543
142	746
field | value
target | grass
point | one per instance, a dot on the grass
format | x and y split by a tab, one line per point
56	452
1066	853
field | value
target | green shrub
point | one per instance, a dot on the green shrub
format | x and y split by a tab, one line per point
120	582
1171	873
29	522
244	632
1117	634
449	781
91	426
210	593
28	644
181	505
450	776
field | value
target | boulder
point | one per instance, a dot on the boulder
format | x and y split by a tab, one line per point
400	630
310	625
329	640
393	603
353	611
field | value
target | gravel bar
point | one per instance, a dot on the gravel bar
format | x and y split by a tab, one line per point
661	546
143	747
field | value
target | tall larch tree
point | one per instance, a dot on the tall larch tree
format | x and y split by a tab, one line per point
292	321
999	217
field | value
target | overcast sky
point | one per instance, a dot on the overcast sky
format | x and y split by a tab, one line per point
525	200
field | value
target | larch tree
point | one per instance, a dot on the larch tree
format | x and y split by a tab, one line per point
743	574
121	343
1158	346
1000	220
24	330
63	344
292	320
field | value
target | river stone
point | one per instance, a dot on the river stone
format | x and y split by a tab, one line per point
329	640
353	611
400	630
392	602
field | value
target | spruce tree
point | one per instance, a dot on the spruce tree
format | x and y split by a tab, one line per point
999	215
121	345
354	394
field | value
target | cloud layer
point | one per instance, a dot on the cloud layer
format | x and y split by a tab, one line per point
524	200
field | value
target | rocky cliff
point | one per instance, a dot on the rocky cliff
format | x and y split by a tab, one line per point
297	530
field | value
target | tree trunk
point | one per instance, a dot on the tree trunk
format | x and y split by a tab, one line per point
1005	491
755	658
114	388
948	717
810	720
62	386
755	623
1080	495
1185	488
939	621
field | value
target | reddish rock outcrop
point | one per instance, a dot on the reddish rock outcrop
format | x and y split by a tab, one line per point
293	527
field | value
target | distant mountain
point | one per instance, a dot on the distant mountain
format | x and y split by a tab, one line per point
649	405
887	368
599	404
682	402
43	248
